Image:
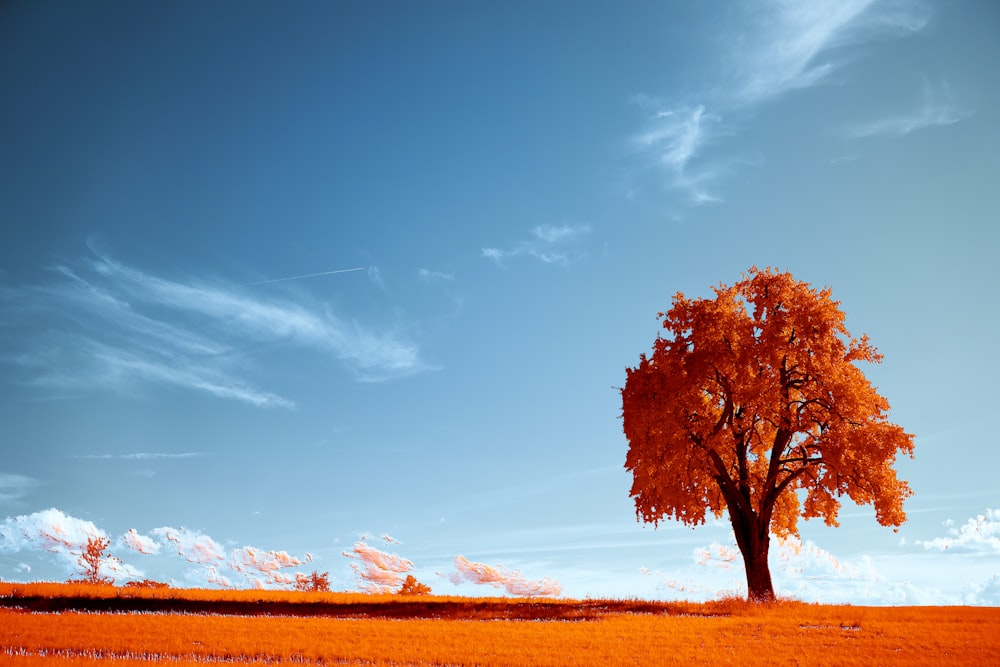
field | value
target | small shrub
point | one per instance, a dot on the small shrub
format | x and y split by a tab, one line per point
146	583
317	582
413	587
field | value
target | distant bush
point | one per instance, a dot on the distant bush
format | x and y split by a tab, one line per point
146	583
413	587
317	582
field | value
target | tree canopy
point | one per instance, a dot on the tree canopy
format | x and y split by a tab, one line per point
753	402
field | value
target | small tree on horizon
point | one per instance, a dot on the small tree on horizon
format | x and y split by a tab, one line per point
413	587
90	560
317	582
752	404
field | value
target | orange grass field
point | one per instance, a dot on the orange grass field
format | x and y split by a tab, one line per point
353	629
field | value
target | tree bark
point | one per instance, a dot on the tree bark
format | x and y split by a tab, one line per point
754	541
759	586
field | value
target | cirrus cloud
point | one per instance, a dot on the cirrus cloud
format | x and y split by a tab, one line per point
770	50
102	323
549	244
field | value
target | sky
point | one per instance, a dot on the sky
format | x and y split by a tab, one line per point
352	287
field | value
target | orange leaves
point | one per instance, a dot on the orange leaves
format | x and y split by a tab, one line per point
413	587
751	395
317	582
93	557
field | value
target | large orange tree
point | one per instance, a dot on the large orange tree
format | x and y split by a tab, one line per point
753	404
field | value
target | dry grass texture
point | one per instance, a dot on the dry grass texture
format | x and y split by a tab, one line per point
721	633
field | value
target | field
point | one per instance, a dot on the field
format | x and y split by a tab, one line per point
76	625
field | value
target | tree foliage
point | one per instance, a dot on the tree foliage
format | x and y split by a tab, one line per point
90	560
753	402
318	582
413	587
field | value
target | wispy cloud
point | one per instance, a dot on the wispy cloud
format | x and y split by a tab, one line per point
551	244
937	109
260	568
141	543
777	47
429	276
788	43
192	545
500	577
13	487
263	568
674	136
104	323
142	456
305	275
376	570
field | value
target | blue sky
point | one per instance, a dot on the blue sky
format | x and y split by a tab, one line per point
290	277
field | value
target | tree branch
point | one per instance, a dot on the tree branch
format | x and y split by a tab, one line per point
729	490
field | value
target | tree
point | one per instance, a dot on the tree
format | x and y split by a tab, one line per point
413	587
91	558
318	582
752	404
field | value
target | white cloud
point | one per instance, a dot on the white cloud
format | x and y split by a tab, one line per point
13	487
500	577
110	325
980	534
937	109
548	243
143	456
141	543
783	51
377	571
429	276
551	234
264	568
64	536
986	593
49	530
192	545
803	570
55	532
779	46
673	137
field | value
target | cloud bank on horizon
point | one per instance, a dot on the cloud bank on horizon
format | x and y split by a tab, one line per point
376	571
801	569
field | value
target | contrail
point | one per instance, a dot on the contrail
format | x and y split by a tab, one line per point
308	275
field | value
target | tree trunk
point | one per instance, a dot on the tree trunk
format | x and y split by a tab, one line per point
754	541
759	586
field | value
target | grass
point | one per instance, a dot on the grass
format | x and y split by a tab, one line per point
278	627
